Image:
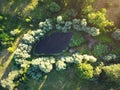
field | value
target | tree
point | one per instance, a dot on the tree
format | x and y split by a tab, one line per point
99	20
84	71
111	73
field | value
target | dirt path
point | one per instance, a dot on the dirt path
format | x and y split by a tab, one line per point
91	41
113	9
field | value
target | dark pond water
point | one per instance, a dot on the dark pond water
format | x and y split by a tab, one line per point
53	43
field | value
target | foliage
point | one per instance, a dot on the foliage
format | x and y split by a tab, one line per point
11	49
4	37
78	58
77	40
116	34
84	71
85	11
46	25
13	79
62	25
81	25
97	18
9	28
54	7
100	50
78	5
110	57
97	71
45	64
23	51
34	72
22	55
15	32
1	17
112	73
60	65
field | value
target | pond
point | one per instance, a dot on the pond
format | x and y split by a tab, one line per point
53	43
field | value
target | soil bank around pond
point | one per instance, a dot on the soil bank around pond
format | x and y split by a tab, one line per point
53	43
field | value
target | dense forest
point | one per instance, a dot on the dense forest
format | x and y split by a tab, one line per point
59	45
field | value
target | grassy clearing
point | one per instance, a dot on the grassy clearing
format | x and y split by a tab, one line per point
64	80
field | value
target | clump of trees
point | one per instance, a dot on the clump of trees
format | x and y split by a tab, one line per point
76	24
84	71
14	78
98	19
111	73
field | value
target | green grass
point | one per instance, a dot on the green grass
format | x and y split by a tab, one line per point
63	80
104	38
83	49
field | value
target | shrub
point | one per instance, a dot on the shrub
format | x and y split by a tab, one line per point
60	65
13	79
89	58
34	72
78	58
116	34
84	71
97	71
54	7
112	73
100	50
69	59
46	25
45	64
81	25
85	11
15	32
4	37
76	40
1	17
11	49
99	20
110	57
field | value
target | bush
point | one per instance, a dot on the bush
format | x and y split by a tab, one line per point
99	20
13	79
34	72
1	17
78	58
54	7
45	64
81	25
11	49
84	71
100	50
76	40
112	73
116	34
110	57
15	32
60	65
